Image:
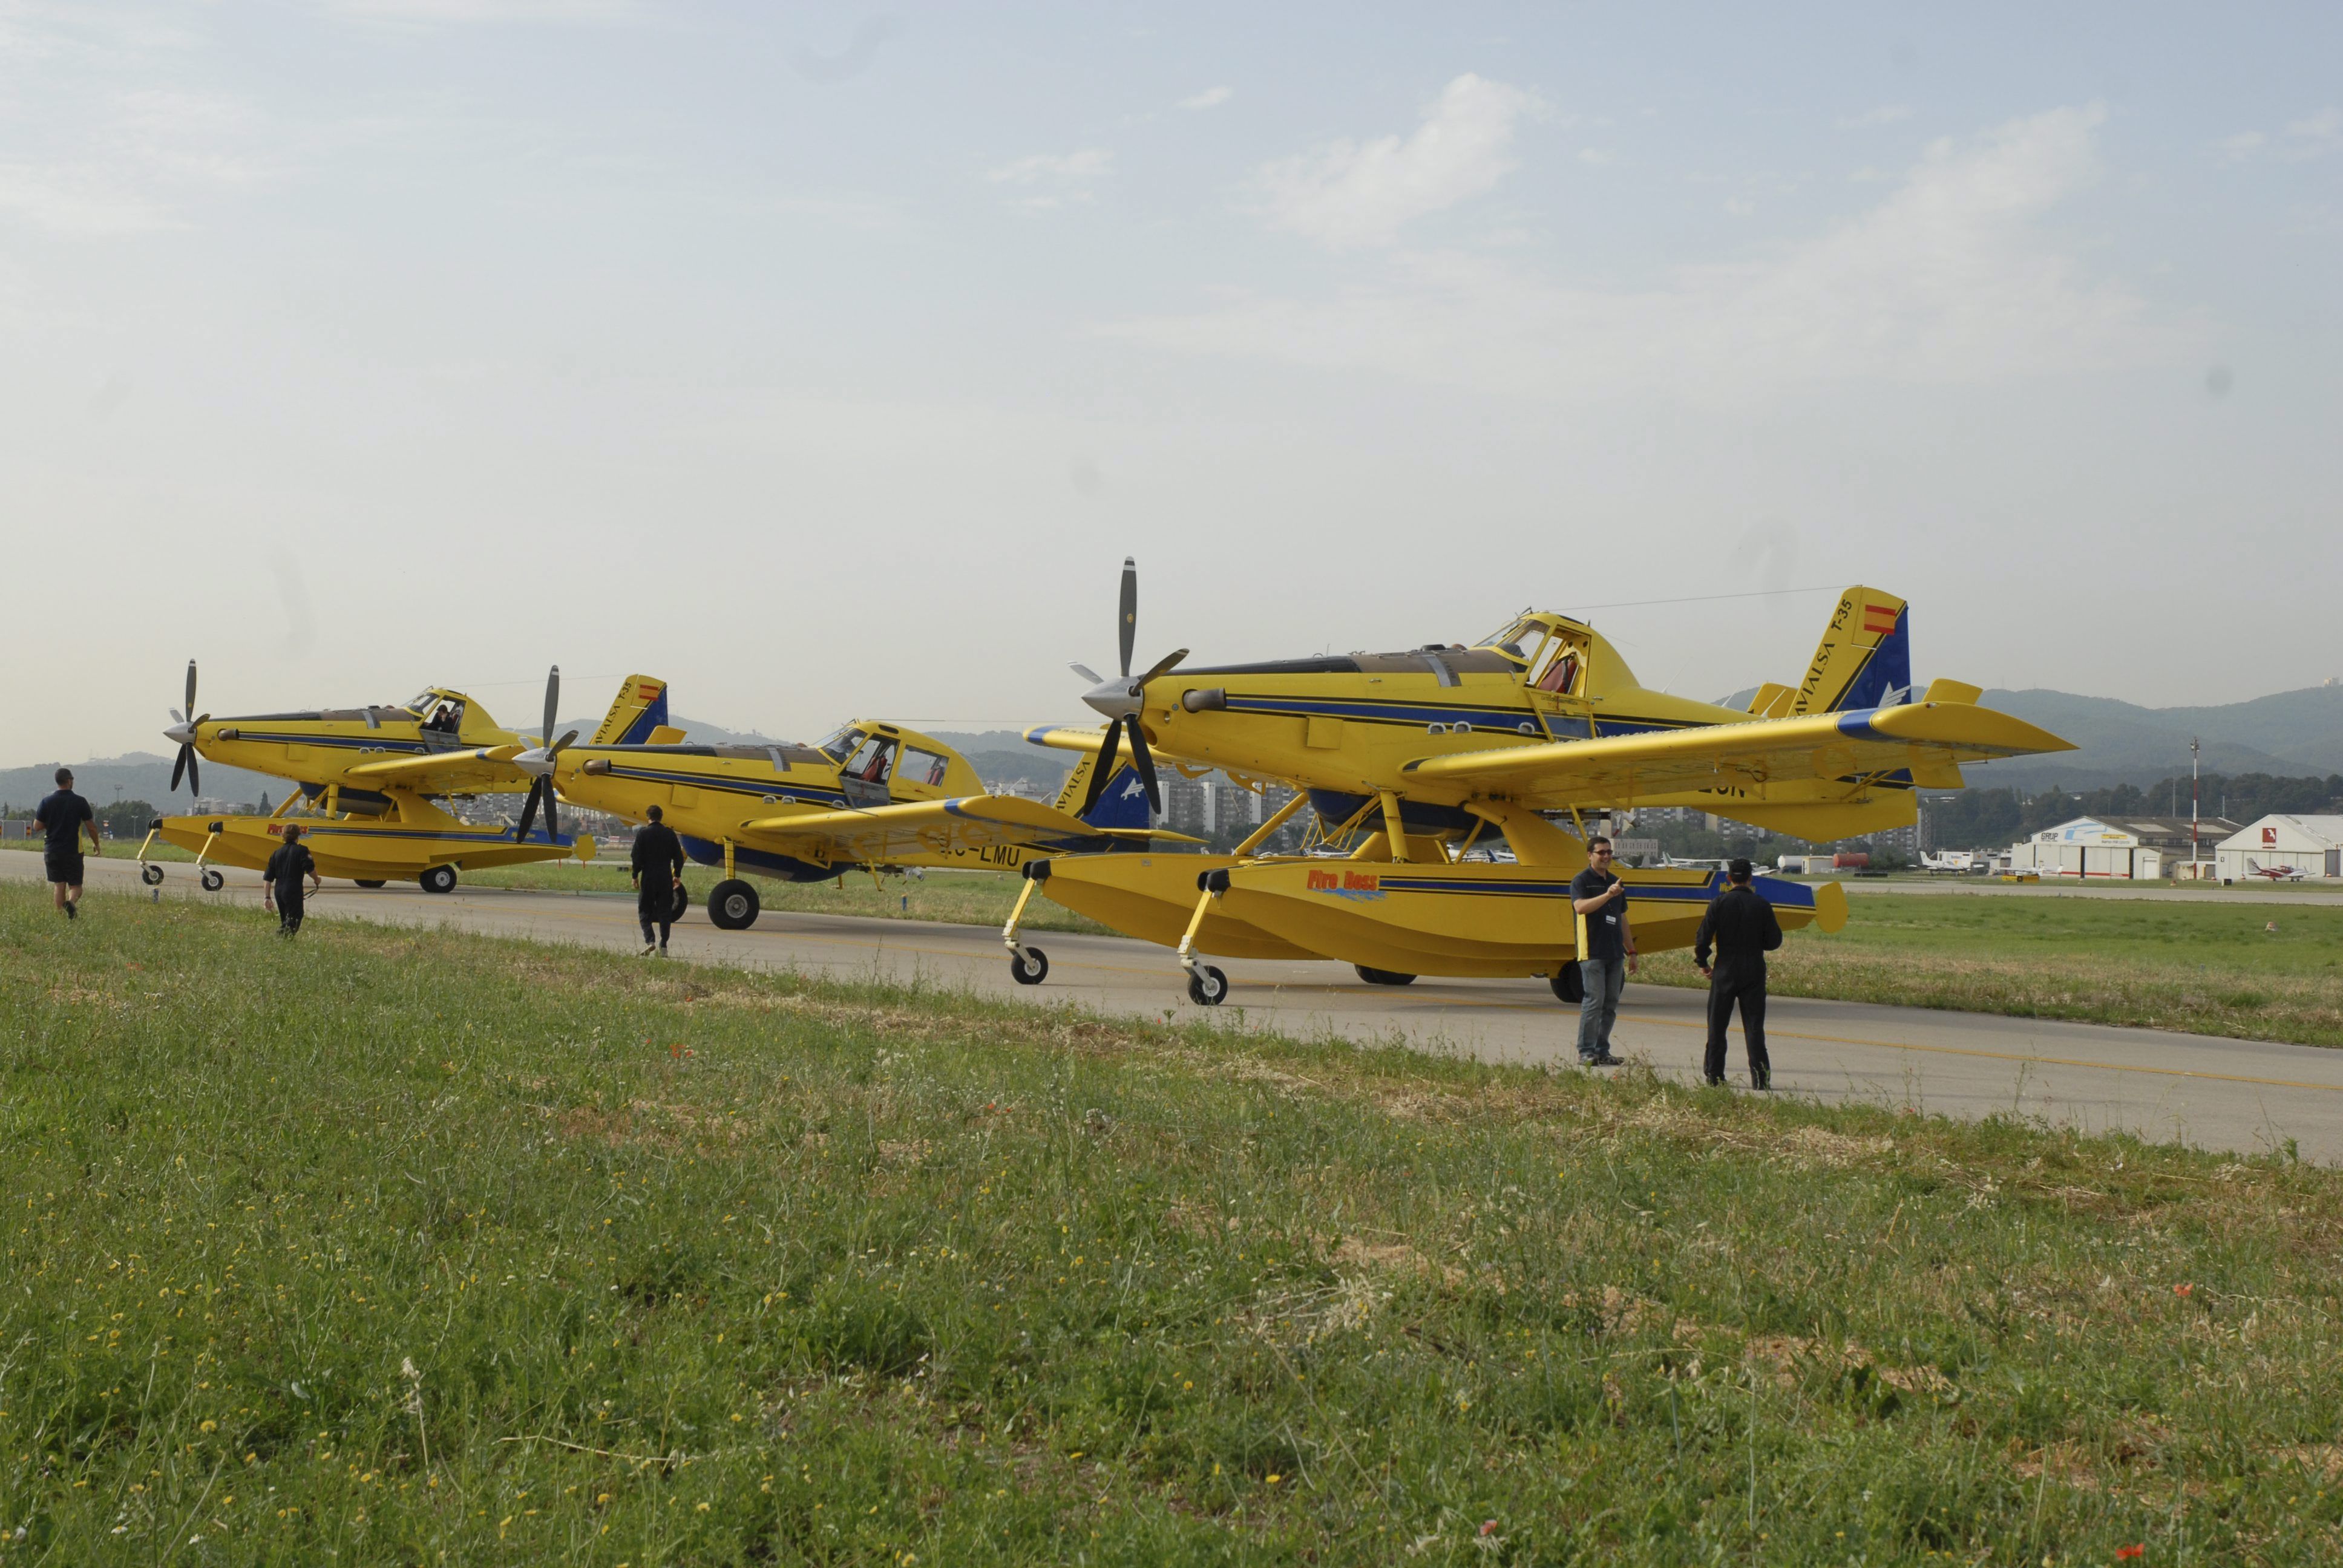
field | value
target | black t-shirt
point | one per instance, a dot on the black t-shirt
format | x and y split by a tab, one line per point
288	865
1606	928
657	849
61	817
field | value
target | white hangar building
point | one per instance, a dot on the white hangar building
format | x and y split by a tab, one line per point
2312	846
2117	848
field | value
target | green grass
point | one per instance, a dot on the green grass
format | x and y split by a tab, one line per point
394	1246
2197	968
116	848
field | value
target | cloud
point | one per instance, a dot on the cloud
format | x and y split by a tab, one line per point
77	203
2313	135
460	12
1951	278
1348	194
1055	179
1210	99
1885	114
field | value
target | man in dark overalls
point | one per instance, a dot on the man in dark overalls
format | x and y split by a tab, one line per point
280	886
658	862
1741	925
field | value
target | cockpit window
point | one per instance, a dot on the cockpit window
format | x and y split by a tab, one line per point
872	762
922	767
1519	642
840	744
420	704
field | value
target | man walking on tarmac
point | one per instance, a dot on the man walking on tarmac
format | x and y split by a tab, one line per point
1606	951
280	884
1741	925
64	818
658	862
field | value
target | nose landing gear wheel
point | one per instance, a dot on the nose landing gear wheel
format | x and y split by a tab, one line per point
732	905
1029	966
1207	986
1568	985
1383	977
439	879
212	881
151	875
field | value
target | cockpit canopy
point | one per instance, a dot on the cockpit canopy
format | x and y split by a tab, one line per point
1550	651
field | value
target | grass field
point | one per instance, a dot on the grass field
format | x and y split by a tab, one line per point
393	1246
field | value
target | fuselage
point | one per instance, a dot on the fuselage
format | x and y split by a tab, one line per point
316	749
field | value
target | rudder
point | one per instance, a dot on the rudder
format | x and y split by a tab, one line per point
640	708
1864	659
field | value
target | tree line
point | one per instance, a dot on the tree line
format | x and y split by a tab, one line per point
1981	818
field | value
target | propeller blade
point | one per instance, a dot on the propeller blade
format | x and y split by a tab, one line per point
1084	671
178	718
1100	770
1126	627
1145	763
528	810
559	745
552	699
552	811
1168	662
179	767
195	774
191	686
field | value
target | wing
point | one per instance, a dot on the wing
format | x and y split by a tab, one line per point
481	770
1924	738
1089	740
909	828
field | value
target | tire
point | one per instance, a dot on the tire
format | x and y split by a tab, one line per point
366	882
212	881
1569	985
683	901
732	905
1029	966
151	875
1383	977
437	879
1207	986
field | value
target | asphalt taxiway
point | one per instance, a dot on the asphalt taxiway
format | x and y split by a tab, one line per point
2246	1096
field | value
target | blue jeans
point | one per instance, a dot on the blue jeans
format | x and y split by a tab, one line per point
1604	978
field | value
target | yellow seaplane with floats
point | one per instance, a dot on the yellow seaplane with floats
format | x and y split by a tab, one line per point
367	780
1439	777
873	797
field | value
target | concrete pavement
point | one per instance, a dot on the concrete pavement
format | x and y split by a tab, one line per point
2246	1096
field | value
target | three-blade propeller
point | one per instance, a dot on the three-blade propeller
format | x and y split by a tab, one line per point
1119	700
540	789
183	731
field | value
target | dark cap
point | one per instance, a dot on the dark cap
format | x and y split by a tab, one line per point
1738	869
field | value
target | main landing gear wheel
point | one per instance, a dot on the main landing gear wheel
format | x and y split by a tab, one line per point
212	881
1383	977
1029	966
364	882
439	879
1568	984
1207	986
732	905
151	875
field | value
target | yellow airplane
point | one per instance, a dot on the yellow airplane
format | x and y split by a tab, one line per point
873	796
365	778
1413	759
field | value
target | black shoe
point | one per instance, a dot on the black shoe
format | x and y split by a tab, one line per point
1762	1083
72	909
1606	1059
1714	1083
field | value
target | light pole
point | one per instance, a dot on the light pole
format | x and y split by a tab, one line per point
2193	867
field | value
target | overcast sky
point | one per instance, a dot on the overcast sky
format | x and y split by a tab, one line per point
828	360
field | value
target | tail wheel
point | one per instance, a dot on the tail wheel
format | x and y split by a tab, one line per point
212	881
1383	977
1207	986
363	882
732	905
1029	966
151	875
439	879
1568	984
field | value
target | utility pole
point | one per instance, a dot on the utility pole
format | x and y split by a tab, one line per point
2193	869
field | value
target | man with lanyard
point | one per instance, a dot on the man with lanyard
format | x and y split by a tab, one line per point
1742	926
280	886
658	862
1606	951
64	818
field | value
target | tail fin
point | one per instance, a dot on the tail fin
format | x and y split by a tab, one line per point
1864	659
640	708
1121	804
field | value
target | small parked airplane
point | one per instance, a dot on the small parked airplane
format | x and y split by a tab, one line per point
1948	860
2274	873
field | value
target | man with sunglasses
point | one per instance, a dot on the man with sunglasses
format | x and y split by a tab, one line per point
1606	951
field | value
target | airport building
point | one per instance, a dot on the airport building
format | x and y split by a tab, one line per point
2123	849
2282	847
